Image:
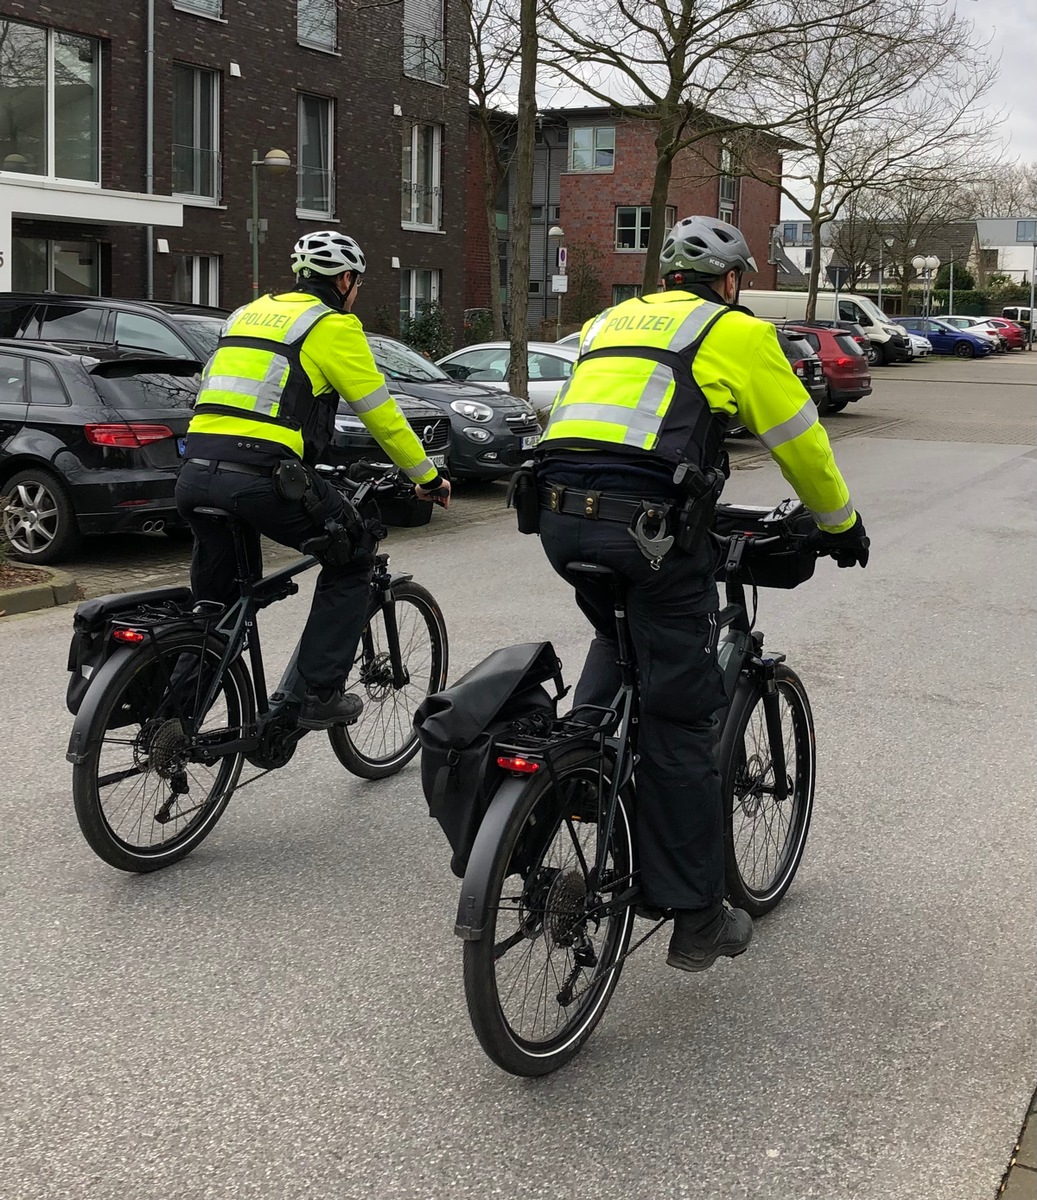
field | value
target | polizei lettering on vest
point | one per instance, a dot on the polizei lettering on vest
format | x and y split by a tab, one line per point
631	323
277	320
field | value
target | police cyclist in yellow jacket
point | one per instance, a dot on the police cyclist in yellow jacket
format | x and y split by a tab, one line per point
266	410
642	419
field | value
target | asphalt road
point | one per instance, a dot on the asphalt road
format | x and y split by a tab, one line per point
282	1015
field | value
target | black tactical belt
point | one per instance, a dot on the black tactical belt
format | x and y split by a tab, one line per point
596	506
240	468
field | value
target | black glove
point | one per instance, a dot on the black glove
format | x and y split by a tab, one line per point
849	548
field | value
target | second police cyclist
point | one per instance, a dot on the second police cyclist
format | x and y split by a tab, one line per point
632	455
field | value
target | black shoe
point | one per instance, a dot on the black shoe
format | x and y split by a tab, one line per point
699	940
341	708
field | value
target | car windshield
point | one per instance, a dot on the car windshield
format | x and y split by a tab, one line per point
871	309
204	333
946	325
400	362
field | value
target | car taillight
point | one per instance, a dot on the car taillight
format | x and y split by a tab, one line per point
128	437
844	362
801	369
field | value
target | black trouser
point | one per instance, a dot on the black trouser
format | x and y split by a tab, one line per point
339	610
672	614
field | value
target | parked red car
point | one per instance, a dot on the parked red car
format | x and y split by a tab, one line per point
844	363
1013	333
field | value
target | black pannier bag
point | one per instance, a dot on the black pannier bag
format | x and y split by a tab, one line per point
460	728
90	644
780	565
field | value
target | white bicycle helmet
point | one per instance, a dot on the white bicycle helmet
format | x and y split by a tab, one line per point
327	252
707	246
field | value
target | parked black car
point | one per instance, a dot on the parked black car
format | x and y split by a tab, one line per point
352	443
88	445
807	366
492	432
180	330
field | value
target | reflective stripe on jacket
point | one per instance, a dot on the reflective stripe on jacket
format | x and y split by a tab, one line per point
627	403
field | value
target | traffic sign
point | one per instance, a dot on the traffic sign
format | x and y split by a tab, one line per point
559	284
563	257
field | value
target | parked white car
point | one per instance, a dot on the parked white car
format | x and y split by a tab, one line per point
550	365
921	347
571	339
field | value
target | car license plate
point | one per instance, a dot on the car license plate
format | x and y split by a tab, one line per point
530	441
437	460
181	446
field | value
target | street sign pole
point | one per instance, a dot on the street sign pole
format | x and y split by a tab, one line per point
563	257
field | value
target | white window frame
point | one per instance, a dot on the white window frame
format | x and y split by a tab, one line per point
315	213
312	43
436	225
595	131
1020	231
199	265
641	225
617	299
212	9
435	288
424	41
51	281
50	35
217	169
727	190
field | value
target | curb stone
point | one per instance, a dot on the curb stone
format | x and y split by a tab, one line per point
59	589
1020	1181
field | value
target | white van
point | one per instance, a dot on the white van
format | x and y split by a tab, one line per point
887	342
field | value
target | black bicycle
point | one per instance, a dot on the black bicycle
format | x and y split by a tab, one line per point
172	711
549	898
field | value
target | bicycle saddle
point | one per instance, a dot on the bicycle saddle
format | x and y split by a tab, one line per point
594	570
219	513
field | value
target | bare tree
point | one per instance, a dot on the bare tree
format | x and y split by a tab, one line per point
518	289
1010	190
881	99
491	25
671	63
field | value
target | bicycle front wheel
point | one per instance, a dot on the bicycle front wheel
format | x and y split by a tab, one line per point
383	739
142	797
540	978
764	837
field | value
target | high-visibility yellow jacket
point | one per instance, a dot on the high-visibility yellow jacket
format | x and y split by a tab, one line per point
272	387
645	367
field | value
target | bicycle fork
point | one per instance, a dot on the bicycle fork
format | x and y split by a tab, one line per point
768	668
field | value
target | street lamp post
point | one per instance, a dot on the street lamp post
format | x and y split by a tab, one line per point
927	263
556	232
277	162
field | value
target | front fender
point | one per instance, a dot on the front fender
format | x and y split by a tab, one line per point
473	908
78	746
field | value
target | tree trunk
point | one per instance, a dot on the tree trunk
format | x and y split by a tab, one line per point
518	292
491	185
660	191
815	265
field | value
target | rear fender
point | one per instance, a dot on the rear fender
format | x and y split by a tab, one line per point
78	746
474	906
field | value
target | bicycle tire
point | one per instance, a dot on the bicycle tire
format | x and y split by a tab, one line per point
751	821
363	748
545	806
131	702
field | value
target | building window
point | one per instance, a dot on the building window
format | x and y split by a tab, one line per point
196	165
206	8
317	23
196	279
316	179
808	258
536	213
536	287
1026	231
424	47
625	291
49	116
421	199
634	224
728	186
592	148
42	265
788	233
418	289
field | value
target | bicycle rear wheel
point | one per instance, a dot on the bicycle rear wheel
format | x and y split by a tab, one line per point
764	837
142	798
384	739
540	978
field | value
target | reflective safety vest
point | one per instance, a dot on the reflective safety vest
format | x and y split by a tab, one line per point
256	400
632	390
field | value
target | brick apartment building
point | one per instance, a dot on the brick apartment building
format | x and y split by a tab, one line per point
593	175
370	103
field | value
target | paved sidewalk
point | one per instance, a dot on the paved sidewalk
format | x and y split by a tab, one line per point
1021	1178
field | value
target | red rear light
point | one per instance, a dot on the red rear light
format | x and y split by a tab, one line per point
514	763
127	437
133	636
845	362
